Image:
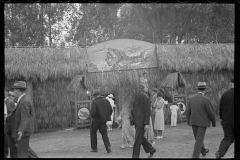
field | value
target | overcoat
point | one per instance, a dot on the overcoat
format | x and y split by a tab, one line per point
199	111
141	110
22	118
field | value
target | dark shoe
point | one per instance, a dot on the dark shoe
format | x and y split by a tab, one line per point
205	152
93	150
151	153
218	155
108	149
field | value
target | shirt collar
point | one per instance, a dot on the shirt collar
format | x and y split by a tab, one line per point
20	97
201	93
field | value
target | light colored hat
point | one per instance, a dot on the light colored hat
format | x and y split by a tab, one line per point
19	85
201	85
10	93
110	96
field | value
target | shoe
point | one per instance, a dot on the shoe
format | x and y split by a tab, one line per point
130	146
93	150
205	152
108	149
123	147
151	153
218	155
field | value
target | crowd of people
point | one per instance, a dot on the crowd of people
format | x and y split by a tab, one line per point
141	118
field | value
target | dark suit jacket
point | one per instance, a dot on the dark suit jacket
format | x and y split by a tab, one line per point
101	109
226	108
10	107
22	118
199	111
141	110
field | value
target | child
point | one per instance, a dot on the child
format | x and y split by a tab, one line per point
174	108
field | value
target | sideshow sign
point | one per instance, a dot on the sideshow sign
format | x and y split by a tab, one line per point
82	109
121	54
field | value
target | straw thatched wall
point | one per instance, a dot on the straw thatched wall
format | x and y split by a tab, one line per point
52	70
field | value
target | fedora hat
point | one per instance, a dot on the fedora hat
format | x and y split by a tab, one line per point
201	85
19	85
96	92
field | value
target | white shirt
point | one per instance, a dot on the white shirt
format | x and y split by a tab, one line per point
174	109
5	109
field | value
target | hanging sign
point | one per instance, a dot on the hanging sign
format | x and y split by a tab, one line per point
82	109
182	102
121	54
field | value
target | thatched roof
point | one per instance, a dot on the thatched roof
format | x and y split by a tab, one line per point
75	83
195	57
174	81
43	63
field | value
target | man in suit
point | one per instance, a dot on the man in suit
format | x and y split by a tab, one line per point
199	113
226	112
7	131
22	120
141	115
101	111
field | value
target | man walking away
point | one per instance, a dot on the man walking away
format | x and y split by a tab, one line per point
199	113
101	111
226	112
141	115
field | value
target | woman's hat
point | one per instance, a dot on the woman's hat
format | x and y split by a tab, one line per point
110	96
19	85
201	85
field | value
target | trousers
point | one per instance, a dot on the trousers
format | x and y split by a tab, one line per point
199	134
140	140
102	127
228	129
11	144
174	119
153	121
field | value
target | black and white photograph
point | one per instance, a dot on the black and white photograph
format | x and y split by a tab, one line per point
119	80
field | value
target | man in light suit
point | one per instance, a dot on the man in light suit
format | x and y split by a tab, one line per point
141	115
199	113
22	120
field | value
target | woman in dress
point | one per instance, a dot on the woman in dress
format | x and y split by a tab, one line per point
159	124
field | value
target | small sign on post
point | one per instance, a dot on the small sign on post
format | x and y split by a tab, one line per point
82	113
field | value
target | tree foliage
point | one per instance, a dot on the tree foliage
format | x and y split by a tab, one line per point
63	24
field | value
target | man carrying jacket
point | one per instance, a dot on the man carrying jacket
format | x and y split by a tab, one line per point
226	112
101	111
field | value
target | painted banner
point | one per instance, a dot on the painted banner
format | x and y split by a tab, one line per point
182	103
82	109
121	54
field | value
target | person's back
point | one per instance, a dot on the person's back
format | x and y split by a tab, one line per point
103	109
201	111
174	109
227	106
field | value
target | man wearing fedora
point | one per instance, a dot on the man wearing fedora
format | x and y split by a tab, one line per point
101	111
22	119
226	112
9	142
199	113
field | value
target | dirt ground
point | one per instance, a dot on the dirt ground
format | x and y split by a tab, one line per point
177	142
